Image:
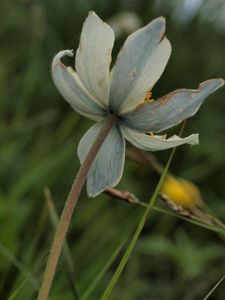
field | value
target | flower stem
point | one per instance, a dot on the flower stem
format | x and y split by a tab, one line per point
67	213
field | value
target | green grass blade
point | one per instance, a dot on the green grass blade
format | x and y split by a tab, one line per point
20	266
16	292
194	221
214	288
102	272
136	235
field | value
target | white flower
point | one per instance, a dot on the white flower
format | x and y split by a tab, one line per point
95	92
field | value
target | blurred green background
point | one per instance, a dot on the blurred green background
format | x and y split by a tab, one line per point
39	136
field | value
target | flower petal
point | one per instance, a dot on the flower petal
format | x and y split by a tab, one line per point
139	65
107	168
156	142
93	57
170	109
73	91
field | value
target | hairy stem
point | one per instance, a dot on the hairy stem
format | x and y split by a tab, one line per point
67	213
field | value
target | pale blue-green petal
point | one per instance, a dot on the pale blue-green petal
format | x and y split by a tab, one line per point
93	57
171	109
107	168
72	89
139	65
156	142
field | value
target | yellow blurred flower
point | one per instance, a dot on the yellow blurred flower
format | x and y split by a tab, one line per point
182	192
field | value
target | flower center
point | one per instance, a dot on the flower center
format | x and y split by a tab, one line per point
148	97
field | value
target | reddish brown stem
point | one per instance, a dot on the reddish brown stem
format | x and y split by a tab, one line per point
67	213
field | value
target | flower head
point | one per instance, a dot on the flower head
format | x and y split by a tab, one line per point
95	92
182	192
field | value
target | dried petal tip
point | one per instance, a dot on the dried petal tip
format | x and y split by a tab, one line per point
91	12
59	55
72	89
194	139
162	19
211	84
